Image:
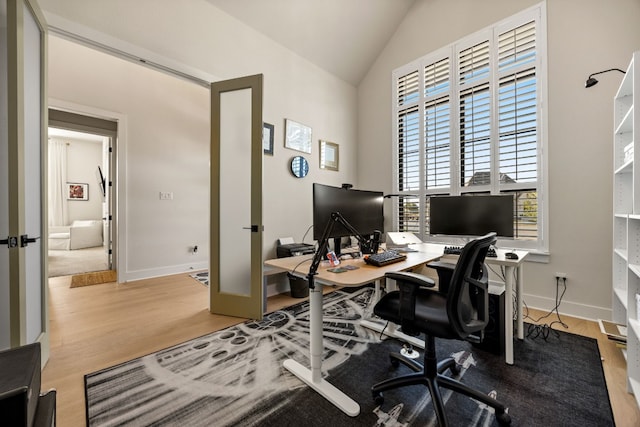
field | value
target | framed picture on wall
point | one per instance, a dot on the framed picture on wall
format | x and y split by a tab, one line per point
297	136
329	155
267	138
77	191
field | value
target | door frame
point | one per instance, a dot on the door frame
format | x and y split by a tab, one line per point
118	177
107	128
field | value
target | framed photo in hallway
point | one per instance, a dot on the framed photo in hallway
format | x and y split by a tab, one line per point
77	191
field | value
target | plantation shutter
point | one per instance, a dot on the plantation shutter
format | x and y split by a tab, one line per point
475	115
517	105
437	124
468	120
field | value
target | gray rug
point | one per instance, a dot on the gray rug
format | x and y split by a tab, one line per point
67	263
235	377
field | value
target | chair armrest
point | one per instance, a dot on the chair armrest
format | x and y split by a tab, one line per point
413	278
445	271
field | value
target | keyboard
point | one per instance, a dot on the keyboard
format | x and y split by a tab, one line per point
384	258
456	250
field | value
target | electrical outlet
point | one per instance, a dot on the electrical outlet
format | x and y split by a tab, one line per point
166	195
561	275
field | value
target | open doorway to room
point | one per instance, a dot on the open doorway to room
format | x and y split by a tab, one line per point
80	196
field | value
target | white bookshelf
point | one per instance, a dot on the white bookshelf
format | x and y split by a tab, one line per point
626	219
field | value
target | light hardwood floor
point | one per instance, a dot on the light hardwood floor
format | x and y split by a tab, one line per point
98	326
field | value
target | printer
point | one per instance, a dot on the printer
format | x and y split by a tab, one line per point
286	248
294	249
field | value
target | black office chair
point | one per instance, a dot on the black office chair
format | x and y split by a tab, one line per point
458	310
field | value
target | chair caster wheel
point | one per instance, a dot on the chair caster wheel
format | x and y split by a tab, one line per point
503	419
377	398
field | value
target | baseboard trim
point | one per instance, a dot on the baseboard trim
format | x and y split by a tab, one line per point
582	311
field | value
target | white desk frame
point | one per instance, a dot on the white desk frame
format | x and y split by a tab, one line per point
513	282
312	376
426	252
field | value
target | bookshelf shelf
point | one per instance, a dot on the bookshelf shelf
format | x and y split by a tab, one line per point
626	222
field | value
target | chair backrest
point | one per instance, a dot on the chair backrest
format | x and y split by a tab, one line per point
468	294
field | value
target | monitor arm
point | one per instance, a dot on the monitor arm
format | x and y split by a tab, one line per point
366	245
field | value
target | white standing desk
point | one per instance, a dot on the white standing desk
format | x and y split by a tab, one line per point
513	282
364	274
425	252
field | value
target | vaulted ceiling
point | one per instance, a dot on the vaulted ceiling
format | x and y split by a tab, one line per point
343	37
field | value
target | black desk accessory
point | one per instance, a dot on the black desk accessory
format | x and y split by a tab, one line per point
367	246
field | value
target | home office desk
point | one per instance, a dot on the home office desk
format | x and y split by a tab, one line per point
364	274
425	253
513	282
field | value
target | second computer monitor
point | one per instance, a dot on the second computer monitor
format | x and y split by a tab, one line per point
471	215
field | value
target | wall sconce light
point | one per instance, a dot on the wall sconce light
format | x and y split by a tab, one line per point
592	82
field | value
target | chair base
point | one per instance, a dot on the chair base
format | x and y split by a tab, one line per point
432	376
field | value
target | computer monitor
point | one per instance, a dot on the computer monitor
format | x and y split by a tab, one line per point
471	215
362	209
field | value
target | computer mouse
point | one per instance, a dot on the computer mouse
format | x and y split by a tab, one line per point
511	255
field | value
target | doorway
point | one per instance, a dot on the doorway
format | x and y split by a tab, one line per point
80	193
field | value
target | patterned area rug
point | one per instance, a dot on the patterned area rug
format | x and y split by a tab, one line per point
202	277
235	377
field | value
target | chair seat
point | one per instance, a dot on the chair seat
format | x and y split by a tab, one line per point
460	313
430	314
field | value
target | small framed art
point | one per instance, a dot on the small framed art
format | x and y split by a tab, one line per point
329	155
297	136
77	191
267	138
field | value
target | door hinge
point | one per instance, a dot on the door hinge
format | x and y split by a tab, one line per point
11	242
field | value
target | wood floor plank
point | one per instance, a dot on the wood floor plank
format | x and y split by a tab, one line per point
98	326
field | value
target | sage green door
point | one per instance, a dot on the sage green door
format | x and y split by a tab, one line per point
235	266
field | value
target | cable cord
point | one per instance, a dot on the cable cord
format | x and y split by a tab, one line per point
536	330
300	263
306	232
382	331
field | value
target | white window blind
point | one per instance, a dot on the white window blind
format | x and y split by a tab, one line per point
468	122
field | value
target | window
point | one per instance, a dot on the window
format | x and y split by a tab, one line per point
468	121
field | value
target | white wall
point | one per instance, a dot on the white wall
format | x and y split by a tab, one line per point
584	36
167	135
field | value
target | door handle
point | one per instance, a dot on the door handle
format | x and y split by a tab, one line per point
25	240
253	228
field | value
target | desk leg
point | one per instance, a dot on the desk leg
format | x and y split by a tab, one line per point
508	315
520	297
313	377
